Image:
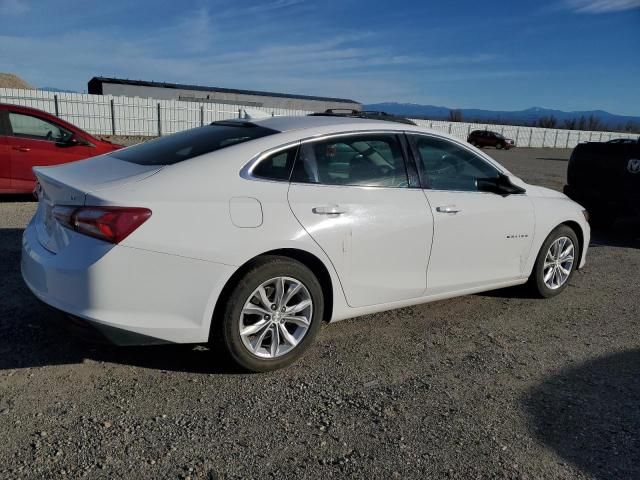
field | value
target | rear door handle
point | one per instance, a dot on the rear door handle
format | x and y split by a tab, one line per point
448	209
22	149
328	210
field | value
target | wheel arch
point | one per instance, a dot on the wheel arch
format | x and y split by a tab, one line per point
308	259
575	226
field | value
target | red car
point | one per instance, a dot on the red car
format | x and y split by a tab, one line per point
486	138
30	137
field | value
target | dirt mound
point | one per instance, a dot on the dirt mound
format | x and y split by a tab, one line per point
9	80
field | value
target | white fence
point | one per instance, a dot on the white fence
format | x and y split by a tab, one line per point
526	136
113	115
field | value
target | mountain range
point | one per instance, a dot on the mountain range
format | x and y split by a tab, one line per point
525	117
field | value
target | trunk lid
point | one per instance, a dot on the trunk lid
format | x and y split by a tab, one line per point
70	183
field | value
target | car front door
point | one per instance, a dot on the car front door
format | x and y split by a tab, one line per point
34	141
352	195
480	238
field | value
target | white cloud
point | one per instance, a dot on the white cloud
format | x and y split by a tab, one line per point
602	6
214	49
13	7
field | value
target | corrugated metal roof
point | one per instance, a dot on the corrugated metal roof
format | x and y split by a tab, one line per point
145	83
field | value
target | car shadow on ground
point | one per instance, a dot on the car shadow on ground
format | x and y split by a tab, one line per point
31	335
624	233
554	159
590	415
17	197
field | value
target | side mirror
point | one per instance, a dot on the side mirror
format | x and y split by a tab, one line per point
500	186
71	141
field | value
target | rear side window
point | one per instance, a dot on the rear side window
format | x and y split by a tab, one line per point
192	143
371	160
276	166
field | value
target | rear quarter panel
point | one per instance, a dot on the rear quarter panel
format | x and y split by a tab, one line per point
191	202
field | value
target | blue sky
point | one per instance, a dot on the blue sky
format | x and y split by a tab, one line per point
509	55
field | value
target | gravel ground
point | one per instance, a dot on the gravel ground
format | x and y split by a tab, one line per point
496	385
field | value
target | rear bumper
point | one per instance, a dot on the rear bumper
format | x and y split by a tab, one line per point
97	332
131	296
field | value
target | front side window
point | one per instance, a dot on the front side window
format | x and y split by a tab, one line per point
367	160
276	166
28	126
444	165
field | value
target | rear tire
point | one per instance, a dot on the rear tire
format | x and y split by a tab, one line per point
263	306
557	259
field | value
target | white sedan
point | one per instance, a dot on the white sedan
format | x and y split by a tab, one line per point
251	234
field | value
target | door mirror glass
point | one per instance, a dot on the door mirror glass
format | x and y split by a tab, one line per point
70	140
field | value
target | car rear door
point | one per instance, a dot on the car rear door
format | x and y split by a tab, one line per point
35	141
352	195
480	238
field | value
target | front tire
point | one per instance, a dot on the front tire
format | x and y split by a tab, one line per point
272	314
558	258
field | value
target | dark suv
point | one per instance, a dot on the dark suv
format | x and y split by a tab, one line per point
486	138
605	179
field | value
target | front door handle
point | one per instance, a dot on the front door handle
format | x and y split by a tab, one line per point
448	209
22	149
328	210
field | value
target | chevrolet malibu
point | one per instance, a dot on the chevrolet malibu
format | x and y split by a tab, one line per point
250	234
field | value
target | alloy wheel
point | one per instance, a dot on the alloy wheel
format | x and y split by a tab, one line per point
558	263
276	317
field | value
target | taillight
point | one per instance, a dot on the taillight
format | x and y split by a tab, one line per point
111	224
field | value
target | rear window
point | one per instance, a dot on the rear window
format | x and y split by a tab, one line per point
192	143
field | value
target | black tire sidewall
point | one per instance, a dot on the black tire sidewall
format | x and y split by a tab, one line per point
263	270
537	277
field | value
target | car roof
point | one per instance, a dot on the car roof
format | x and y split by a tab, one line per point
329	123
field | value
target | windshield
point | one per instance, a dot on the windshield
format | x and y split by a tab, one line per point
192	143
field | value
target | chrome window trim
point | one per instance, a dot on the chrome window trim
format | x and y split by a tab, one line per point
247	171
